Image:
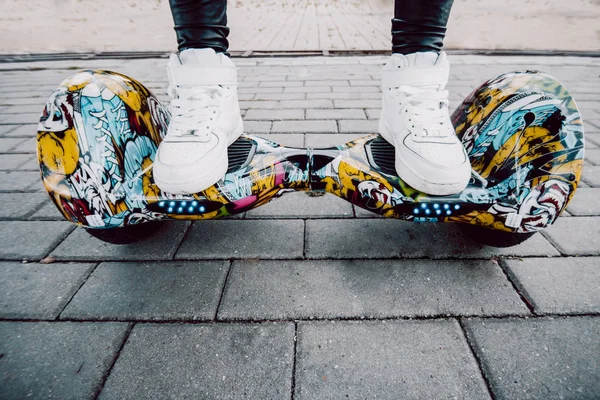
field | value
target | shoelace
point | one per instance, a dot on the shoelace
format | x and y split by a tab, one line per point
427	113
194	112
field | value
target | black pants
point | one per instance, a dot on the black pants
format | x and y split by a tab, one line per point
418	25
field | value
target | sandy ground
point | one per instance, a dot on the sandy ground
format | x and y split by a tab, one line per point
43	26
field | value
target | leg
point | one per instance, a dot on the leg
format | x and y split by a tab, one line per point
414	115
205	114
200	24
419	25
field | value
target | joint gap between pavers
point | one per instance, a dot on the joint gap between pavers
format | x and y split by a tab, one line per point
305	236
215	316
77	291
187	231
471	346
306	319
294	360
59	241
114	361
520	289
552	242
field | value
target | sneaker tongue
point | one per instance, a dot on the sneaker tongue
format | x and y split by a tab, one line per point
199	56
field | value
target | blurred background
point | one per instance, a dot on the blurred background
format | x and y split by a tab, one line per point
48	26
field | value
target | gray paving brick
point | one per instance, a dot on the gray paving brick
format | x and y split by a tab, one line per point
255	90
542	358
20	130
309	89
204	361
356	89
24	118
7	144
270	104
322	103
286	139
257	126
316	140
27	146
268	239
335	114
6	129
305	126
385	360
559	285
274	115
373	113
283	84
591	175
19	180
150	291
585	202
48	212
303	205
344	96
280	96
350	126
592	155
13	161
357	103
38	291
383	238
575	236
20	205
373	289
66	360
30	240
80	245
332	83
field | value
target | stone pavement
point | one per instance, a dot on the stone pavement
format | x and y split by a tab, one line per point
304	298
284	25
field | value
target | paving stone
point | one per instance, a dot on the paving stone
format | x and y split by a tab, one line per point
265	239
323	103
332	83
310	89
585	202
335	114
385	360
7	144
282	84
6	129
383	238
592	155
24	118
356	89
280	96
369	126
150	291
591	175
20	130
541	358
344	96
162	245
286	139
38	291
373	289
274	115
204	361
257	126
316	140
373	113
27	146
305	126
31	240
357	103
576	236
303	205
19	180
559	285
20	205
58	360
48	212
13	161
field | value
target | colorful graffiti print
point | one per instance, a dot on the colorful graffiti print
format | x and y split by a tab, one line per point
100	130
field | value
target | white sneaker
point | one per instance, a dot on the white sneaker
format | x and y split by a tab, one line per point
205	119
415	120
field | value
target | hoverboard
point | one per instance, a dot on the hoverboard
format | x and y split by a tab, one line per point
100	131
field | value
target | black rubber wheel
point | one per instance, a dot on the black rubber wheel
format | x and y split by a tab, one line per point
494	238
127	234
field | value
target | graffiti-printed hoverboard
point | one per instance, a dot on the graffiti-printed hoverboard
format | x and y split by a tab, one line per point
100	131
